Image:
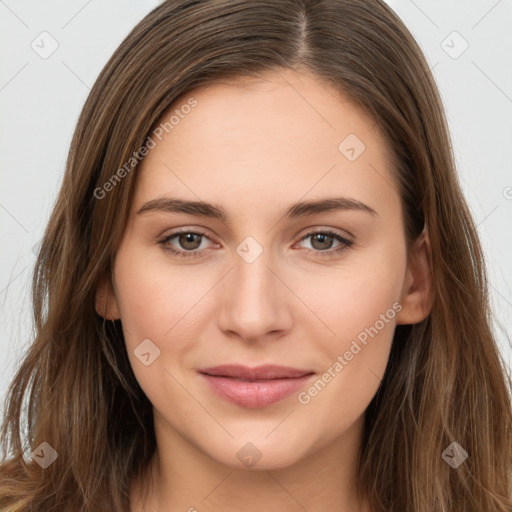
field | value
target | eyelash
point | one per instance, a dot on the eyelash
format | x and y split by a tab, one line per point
346	244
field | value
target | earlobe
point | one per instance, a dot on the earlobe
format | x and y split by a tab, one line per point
106	302
417	295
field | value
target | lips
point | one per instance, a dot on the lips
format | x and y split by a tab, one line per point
255	387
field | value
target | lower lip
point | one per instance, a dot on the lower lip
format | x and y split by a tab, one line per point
255	394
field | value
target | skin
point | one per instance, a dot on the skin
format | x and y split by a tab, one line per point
255	147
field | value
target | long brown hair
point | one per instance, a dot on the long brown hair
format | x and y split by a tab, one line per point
445	381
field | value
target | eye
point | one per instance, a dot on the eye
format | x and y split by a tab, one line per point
189	240
322	241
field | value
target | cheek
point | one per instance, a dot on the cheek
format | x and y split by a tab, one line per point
354	361
360	307
360	300
155	299
363	320
368	307
159	305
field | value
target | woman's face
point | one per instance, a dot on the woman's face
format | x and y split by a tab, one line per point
280	278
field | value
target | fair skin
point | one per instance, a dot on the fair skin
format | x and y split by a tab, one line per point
256	147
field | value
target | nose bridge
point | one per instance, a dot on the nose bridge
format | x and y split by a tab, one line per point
253	303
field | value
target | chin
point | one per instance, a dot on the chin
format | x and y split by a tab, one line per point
257	455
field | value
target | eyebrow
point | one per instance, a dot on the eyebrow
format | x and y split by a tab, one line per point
297	210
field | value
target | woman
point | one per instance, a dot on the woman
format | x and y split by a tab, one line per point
261	287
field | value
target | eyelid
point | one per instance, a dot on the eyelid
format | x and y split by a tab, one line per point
327	229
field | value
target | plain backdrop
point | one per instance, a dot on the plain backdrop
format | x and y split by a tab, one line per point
51	53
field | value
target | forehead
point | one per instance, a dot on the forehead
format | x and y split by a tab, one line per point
269	140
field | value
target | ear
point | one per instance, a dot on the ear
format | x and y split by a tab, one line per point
417	296
106	301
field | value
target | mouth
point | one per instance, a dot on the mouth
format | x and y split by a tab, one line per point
255	387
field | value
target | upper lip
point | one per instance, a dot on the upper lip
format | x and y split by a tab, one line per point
264	372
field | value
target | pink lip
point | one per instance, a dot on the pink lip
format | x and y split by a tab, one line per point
255	387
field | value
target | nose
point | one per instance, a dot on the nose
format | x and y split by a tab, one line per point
254	303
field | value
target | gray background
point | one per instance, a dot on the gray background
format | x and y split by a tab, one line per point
41	96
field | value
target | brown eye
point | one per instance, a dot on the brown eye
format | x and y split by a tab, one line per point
189	241
184	243
321	241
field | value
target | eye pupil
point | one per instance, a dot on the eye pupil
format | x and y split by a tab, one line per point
322	237
189	238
